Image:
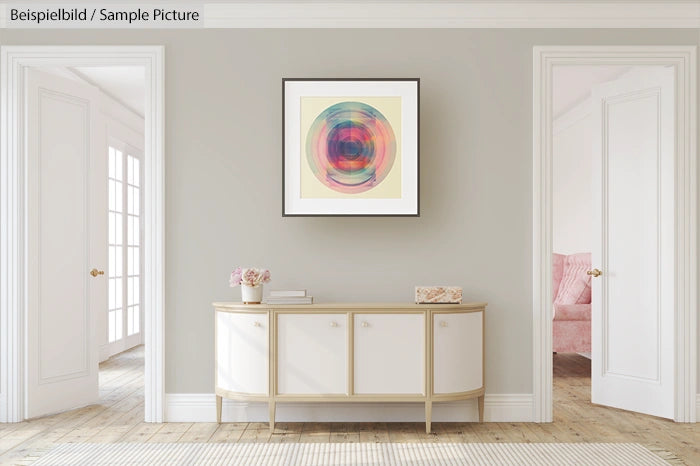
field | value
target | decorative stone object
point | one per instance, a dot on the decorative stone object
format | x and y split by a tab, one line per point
438	294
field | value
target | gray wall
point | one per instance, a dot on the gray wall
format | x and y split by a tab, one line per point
223	175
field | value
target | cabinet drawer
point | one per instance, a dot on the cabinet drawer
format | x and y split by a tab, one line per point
242	352
312	354
389	353
457	352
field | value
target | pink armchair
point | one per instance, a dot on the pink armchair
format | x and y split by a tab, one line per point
571	291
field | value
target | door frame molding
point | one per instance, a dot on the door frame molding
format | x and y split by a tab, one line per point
13	214
683	59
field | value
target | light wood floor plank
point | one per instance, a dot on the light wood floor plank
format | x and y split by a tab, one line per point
404	432
374	432
141	432
199	432
229	432
286	432
170	432
256	432
314	432
345	432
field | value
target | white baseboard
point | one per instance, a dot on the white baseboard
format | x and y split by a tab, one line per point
697	408
201	407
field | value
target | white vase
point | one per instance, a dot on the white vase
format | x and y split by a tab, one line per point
251	294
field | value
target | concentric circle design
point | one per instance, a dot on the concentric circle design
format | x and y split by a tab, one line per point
350	147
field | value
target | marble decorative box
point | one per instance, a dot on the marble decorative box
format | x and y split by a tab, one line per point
439	294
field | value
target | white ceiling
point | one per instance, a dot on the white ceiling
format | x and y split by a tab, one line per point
123	83
573	84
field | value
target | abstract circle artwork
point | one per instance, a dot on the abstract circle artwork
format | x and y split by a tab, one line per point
350	147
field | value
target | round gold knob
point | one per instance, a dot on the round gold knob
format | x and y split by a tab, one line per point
595	273
95	272
365	324
256	324
334	324
443	323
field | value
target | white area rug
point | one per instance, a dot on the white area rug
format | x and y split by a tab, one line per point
351	453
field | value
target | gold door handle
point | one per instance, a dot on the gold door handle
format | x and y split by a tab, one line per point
595	272
95	272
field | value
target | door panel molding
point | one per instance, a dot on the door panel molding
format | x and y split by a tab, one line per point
14	60
608	105
84	106
683	59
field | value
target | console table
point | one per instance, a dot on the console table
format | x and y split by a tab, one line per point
349	353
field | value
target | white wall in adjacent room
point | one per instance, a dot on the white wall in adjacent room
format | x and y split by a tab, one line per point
572	181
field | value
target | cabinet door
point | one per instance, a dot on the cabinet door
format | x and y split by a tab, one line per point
457	352
242	352
311	354
389	353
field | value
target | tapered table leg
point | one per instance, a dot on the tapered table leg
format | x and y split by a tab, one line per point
272	415
428	415
481	408
218	409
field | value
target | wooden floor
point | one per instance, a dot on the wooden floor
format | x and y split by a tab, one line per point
119	418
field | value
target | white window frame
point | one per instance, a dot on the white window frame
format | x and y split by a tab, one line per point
128	341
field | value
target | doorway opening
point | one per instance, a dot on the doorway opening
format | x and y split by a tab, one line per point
646	166
92	119
575	93
85	143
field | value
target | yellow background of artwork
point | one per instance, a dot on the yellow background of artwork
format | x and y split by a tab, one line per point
311	187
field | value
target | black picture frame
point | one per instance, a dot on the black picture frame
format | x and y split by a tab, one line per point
414	138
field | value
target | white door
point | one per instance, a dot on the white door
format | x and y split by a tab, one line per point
389	353
633	199
311	354
66	233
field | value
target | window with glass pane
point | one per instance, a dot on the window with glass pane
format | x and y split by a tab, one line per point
116	243
124	309
133	244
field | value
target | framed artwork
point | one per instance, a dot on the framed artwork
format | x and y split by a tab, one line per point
350	147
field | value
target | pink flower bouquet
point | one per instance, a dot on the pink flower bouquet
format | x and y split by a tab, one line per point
249	276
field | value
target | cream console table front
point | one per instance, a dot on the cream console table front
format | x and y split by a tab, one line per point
349	353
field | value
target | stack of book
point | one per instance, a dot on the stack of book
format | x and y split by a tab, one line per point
289	297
